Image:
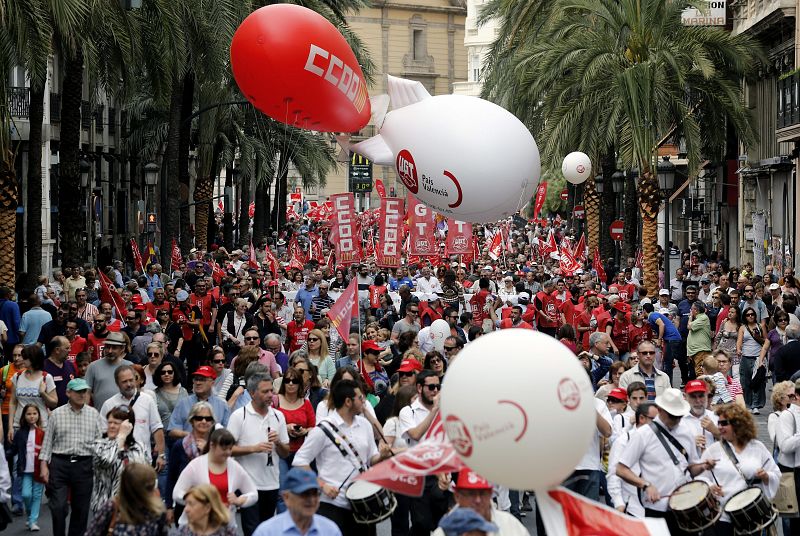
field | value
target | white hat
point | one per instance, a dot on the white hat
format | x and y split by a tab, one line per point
774	286
645	300
672	402
664	311
663	292
487	267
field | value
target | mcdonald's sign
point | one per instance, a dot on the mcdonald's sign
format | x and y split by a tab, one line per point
360	173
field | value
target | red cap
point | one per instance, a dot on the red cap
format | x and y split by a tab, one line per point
695	386
272	283
139	307
136	298
468	479
589	293
206	372
622	307
619	393
372	346
410	365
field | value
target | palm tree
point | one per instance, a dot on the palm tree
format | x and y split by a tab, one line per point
625	74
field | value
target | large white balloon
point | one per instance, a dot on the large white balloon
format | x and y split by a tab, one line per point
518	408
463	157
440	330
576	167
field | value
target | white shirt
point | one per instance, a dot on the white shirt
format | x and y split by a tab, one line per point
410	417
656	465
323	411
754	456
620	423
697	428
591	460
332	467
392	429
148	420
788	437
508	525
622	493
250	428
428	286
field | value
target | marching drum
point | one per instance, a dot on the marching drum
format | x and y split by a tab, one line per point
694	506
370	503
750	511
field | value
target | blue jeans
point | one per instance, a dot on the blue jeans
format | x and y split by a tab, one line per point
671	352
285	464
585	482
31	497
16	485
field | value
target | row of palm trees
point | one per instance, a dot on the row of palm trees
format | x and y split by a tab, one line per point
166	64
616	79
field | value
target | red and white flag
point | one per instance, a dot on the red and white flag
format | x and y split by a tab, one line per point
549	246
176	259
381	189
296	252
421	226
496	246
566	513
541	195
597	264
109	294
316	246
252	262
369	245
639	258
568	263
342	311
390	234
271	261
459	238
580	249
344	230
137	256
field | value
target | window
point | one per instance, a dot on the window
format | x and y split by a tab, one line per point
418	45
474	68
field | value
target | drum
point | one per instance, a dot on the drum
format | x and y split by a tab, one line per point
694	507
750	511
370	503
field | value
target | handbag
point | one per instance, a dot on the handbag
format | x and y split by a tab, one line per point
759	377
785	500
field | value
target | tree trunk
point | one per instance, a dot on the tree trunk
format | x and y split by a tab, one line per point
608	209
72	223
187	106
244	210
171	189
9	200
33	210
649	205
262	208
631	241
203	189
212	229
227	218
279	203
591	204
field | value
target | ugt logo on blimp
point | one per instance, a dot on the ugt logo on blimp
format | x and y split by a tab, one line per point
407	170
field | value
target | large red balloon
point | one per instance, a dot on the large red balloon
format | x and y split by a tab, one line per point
294	65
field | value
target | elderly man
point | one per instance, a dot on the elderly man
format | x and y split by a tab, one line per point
202	382
301	495
787	357
473	491
322	302
66	459
427	283
100	374
645	371
148	421
305	295
599	348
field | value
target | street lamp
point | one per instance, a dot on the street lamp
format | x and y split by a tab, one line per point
666	183
85	168
598	184
618	182
151	174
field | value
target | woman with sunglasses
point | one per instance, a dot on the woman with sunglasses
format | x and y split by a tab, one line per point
217	362
749	344
317	346
728	333
154	353
312	387
782	397
776	338
183	451
435	361
739	461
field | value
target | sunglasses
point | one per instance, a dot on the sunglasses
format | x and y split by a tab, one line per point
449	348
435	360
647	353
405	374
295	381
723	422
218	361
433	386
251	338
313	339
412	312
203	418
166	371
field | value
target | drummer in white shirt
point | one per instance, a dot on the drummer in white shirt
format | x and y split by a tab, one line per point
700	419
340	457
624	496
664	465
741	461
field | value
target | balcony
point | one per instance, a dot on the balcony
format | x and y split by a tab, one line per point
86	115
55	107
787	126
758	16
98	118
19	101
112	121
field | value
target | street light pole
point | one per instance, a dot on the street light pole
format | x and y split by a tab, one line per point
666	183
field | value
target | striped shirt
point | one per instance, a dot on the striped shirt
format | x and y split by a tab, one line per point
71	432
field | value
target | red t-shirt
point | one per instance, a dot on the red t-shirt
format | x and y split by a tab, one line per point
152	307
478	306
621	335
637	335
220	482
571	312
375	295
96	344
626	291
304	416
506	323
205	304
548	305
296	334
77	346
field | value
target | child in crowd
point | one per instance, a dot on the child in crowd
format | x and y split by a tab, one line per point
27	444
711	369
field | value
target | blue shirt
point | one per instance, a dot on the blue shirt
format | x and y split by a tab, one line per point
31	324
670	331
153	283
283	524
180	415
394	284
304	297
9	313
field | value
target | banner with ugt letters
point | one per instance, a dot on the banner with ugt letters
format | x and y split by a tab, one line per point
390	232
421	226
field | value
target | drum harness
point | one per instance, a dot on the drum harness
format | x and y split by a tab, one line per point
660	432
750	482
336	438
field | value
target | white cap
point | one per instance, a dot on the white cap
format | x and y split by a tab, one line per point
663	292
645	300
774	286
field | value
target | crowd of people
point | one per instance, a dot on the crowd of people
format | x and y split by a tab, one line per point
220	397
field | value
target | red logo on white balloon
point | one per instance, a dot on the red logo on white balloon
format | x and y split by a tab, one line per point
407	170
459	435
580	168
569	394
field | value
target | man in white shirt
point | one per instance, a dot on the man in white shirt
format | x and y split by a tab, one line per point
145	409
349	449
426	283
701	420
473	491
261	436
585	480
624	496
666	456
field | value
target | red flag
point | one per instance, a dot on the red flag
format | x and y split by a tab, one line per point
598	266
459	238
509	243
316	246
541	194
639	258
296	252
390	235
381	188
110	295
550	246
271	261
568	263
137	256
295	264
221	206
567	513
342	311
217	273
421	227
176	259
251	209
291	214
252	262
496	246
344	231
580	249
330	263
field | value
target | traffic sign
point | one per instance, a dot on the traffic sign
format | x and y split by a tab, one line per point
564	194
578	212
617	229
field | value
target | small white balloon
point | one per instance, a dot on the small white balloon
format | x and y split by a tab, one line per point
440	330
527	429
576	167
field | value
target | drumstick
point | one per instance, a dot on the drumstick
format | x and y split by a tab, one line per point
346	479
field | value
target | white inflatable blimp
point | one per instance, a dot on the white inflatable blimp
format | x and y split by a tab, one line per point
576	167
527	424
462	156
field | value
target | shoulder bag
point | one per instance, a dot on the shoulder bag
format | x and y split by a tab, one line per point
785	500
